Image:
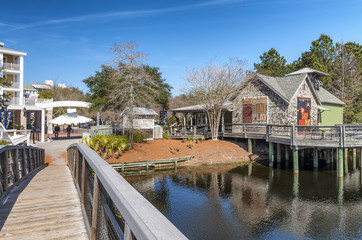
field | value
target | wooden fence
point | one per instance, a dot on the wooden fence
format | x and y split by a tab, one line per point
111	207
16	163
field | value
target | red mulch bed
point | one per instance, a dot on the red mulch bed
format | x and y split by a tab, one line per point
206	152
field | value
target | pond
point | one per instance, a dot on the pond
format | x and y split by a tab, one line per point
257	202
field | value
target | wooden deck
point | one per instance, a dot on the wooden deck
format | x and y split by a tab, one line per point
44	206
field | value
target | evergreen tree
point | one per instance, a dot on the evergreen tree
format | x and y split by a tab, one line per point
272	64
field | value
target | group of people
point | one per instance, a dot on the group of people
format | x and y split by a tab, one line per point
57	129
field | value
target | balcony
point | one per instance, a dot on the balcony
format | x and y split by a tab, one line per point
15	101
32	101
12	66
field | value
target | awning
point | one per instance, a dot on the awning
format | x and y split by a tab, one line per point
70	118
323	109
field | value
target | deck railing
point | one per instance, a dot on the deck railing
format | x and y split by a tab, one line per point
16	163
183	131
12	66
112	208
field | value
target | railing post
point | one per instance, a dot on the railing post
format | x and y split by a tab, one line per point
292	133
267	137
77	167
17	167
95	208
5	170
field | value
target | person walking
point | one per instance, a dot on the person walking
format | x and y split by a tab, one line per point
69	129
56	131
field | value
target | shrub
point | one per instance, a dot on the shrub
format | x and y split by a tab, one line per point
165	135
3	142
139	136
107	145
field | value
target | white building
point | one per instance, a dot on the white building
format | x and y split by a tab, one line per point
24	110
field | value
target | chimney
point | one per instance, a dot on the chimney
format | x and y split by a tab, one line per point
2	44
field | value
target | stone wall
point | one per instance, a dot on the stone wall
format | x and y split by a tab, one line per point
279	111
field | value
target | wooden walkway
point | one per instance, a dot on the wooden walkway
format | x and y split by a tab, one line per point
44	206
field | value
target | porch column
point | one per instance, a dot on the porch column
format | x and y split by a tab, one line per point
191	120
43	125
223	121
185	119
206	118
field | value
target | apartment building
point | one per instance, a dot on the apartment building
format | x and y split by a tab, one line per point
12	68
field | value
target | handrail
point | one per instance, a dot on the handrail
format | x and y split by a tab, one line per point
16	163
112	194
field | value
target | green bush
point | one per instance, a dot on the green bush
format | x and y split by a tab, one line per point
107	145
19	127
139	136
165	135
3	142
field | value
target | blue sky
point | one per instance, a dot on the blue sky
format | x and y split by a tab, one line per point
69	40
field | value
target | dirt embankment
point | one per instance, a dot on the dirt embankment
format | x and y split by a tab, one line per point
206	152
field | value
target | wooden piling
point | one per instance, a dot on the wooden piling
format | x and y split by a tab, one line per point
271	154
250	145
346	160
328	156
315	157
354	154
340	162
295	161
279	154
286	153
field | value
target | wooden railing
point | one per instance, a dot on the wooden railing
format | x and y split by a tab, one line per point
192	131
12	66
16	163
111	207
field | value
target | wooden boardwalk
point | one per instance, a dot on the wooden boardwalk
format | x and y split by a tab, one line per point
44	206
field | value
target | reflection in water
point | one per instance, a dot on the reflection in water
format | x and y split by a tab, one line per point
257	202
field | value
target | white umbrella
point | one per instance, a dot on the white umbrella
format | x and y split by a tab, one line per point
70	118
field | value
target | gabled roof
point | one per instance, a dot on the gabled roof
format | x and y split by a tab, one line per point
200	108
140	111
37	85
327	97
285	87
307	70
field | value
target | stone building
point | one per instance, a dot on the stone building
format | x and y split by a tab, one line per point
295	99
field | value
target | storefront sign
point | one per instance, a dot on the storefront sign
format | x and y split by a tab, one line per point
255	110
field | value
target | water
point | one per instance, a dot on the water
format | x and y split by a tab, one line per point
257	202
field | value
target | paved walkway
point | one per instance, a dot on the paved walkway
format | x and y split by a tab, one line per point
46	205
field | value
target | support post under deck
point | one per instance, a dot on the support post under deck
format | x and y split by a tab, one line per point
346	160
354	159
250	145
340	162
315	157
295	161
328	156
271	149
286	153
279	154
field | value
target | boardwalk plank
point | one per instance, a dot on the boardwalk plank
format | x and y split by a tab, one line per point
46	206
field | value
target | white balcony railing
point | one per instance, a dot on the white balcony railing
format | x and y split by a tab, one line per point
12	66
32	101
15	101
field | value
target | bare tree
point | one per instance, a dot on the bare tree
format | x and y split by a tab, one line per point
213	85
131	85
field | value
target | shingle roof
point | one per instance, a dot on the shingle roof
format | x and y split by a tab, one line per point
286	86
200	107
307	70
140	111
327	97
